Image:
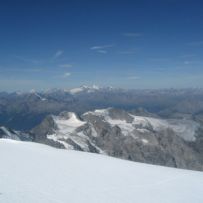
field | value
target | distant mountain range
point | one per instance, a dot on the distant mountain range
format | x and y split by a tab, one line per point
162	127
23	111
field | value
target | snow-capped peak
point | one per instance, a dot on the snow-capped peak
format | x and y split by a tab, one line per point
84	88
99	112
67	122
68	133
34	92
128	122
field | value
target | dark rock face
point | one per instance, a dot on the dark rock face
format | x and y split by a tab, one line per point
8	133
141	142
198	144
163	147
120	115
46	127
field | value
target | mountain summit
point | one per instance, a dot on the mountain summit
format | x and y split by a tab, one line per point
121	134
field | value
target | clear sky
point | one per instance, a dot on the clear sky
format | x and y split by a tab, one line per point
128	44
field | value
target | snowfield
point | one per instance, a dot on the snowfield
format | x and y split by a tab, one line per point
33	173
183	128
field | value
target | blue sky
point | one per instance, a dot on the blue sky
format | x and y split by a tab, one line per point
128	44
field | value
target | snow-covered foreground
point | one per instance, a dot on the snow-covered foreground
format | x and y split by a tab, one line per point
33	173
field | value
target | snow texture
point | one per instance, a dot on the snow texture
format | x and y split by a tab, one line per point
183	128
65	129
33	173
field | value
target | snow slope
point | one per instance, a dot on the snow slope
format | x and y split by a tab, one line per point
79	133
33	173
68	125
183	128
66	129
